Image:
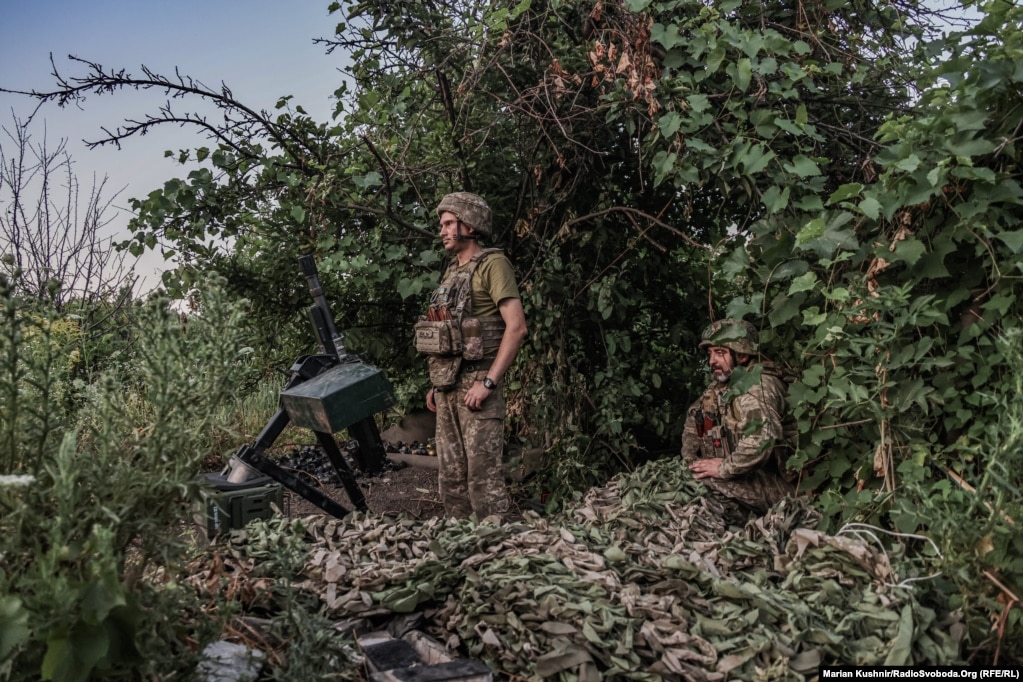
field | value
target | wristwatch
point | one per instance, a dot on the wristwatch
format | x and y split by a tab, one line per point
489	383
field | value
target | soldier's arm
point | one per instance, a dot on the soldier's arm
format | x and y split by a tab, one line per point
514	334
690	437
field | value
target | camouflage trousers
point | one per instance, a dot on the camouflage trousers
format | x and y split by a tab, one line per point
757	490
470	447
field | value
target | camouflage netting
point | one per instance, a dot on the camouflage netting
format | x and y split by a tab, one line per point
642	580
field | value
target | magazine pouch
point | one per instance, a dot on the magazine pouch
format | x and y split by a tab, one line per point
444	371
438	337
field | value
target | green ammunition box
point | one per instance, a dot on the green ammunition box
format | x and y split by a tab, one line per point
338	398
226	510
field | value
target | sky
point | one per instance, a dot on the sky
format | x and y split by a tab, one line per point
260	49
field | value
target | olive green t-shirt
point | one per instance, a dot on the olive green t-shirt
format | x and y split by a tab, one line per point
493	281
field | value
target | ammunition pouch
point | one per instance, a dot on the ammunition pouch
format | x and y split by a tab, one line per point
438	337
444	371
472	339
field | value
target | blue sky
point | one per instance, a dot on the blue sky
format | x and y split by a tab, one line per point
261	49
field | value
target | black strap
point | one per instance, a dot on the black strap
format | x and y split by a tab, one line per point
476	365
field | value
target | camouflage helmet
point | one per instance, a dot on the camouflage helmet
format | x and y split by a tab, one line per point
738	335
470	208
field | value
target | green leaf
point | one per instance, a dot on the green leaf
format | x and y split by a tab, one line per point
743	74
812	317
1006	190
870	207
1014	240
99	597
803	167
663	164
428	257
71	658
812	230
298	214
932	264
908	164
810	203
14	628
901	650
834	236
739	308
776	199
790	269
967	144
805	282
669	123
970	119
840	294
784	308
736	262
756	159
801	115
668	36
742	379
371	179
788	126
908	251
1000	302
523	6
715	58
698	103
844	192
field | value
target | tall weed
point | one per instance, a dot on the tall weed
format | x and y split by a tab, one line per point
89	541
31	374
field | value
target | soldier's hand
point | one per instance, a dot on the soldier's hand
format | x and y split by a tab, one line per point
431	404
706	468
475	396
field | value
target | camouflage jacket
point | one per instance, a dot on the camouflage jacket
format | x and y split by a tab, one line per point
747	433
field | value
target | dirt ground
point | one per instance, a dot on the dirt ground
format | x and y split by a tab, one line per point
402	488
408	486
411	490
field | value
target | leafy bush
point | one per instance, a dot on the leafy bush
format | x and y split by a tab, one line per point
91	557
978	529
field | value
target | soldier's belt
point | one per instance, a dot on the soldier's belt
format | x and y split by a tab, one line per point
477	365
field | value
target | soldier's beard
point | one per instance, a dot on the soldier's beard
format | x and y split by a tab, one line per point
720	375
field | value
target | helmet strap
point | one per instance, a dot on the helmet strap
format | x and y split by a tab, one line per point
458	232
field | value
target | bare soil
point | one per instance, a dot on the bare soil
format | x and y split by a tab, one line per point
410	490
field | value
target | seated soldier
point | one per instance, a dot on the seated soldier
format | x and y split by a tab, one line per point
735	444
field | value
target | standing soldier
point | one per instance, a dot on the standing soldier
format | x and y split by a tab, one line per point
471	333
735	444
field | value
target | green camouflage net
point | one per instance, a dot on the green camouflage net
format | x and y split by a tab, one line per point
643	579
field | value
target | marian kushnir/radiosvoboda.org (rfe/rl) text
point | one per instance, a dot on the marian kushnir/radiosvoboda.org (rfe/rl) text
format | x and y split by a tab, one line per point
851	672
